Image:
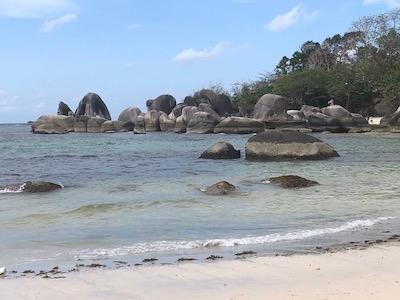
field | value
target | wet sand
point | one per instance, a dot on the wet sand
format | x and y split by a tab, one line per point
372	273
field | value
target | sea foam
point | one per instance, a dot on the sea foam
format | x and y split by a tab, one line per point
161	246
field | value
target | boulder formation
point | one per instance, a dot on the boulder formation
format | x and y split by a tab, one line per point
93	106
237	125
201	123
271	107
140	125
152	121
129	114
163	103
287	145
166	124
64	110
55	124
221	151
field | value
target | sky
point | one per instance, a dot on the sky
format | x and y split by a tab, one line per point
131	51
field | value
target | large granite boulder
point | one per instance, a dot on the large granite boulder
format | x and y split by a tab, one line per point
180	125
80	123
287	145
359	120
237	125
140	126
296	115
271	107
220	103
129	114
93	125
53	124
93	106
292	182
188	113
336	111
166	124
177	111
113	126
152	121
201	123
308	110
320	122
163	103
64	110
208	109
221	150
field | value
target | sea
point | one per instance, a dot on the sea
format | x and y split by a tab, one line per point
129	197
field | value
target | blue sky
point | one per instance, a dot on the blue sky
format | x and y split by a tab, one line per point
131	51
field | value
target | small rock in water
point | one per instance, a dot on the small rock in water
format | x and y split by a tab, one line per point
146	260
40	186
244	253
292	182
182	259
95	266
221	151
214	257
220	188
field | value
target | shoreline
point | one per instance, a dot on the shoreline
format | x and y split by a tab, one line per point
62	269
373	273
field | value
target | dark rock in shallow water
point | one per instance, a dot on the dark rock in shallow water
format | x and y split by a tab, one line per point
287	145
292	182
220	188
93	106
40	187
221	151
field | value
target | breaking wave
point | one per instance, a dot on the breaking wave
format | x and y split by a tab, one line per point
160	246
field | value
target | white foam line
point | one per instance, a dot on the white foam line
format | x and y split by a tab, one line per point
160	246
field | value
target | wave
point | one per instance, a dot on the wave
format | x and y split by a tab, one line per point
12	188
161	246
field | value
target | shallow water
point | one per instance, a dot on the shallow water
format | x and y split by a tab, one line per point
133	196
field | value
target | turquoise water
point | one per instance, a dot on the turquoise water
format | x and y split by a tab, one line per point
133	196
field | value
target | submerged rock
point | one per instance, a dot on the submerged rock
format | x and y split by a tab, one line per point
221	151
287	145
292	182
220	188
39	187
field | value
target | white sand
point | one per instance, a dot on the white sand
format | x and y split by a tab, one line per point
355	274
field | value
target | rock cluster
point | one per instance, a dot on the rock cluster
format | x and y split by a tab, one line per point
204	112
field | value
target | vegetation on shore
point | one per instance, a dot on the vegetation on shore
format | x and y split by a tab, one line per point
357	69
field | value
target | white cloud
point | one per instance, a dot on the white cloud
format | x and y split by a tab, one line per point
390	3
297	15
51	25
134	26
204	54
35	9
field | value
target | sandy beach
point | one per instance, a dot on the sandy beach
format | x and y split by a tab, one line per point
373	273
